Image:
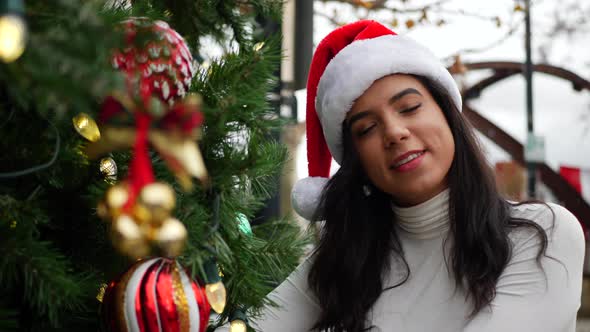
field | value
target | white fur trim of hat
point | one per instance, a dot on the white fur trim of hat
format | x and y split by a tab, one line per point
357	66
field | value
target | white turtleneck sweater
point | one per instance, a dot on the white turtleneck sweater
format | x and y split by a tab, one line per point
528	298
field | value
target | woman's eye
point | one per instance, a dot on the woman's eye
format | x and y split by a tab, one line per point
365	130
411	109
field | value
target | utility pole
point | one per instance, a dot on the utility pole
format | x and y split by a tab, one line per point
528	72
303	41
271	209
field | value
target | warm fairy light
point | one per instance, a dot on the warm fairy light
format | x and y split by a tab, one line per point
216	296
238	325
108	168
239	321
86	127
13	32
258	46
101	291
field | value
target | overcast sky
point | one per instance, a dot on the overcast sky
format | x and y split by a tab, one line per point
561	114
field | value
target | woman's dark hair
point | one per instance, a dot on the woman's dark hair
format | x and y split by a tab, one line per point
359	236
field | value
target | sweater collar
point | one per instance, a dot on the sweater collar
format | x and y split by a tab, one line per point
426	220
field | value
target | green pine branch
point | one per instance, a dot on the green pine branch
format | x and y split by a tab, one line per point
56	252
32	268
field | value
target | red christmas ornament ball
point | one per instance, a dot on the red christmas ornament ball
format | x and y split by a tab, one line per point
156	295
157	60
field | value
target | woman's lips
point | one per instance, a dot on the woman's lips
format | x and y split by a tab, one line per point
408	161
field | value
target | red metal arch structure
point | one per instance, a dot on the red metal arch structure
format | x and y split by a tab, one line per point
569	197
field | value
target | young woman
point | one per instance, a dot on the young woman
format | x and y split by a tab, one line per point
415	235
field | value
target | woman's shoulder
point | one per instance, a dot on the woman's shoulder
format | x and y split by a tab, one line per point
543	213
558	222
296	287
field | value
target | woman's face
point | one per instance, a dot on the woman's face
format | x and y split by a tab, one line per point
403	139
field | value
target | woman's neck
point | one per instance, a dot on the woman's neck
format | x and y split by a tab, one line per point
426	220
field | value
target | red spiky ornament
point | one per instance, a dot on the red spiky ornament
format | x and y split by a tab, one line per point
157	58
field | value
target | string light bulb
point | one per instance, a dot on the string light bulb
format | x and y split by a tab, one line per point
108	169
258	46
101	291
238	321
238	326
214	289
244	224
13	30
216	296
86	126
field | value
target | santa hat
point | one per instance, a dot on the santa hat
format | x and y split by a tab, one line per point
344	66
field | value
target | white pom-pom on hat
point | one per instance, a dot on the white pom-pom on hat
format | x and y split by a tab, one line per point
306	195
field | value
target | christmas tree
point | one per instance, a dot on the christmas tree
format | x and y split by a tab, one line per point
56	173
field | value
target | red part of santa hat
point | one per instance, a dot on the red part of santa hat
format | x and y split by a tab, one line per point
318	154
344	66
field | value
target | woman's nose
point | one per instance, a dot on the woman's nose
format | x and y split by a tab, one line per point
395	132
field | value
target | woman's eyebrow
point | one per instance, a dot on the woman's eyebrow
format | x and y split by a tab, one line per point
356	117
401	94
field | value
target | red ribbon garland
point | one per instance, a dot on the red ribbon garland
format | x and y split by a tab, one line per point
140	170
